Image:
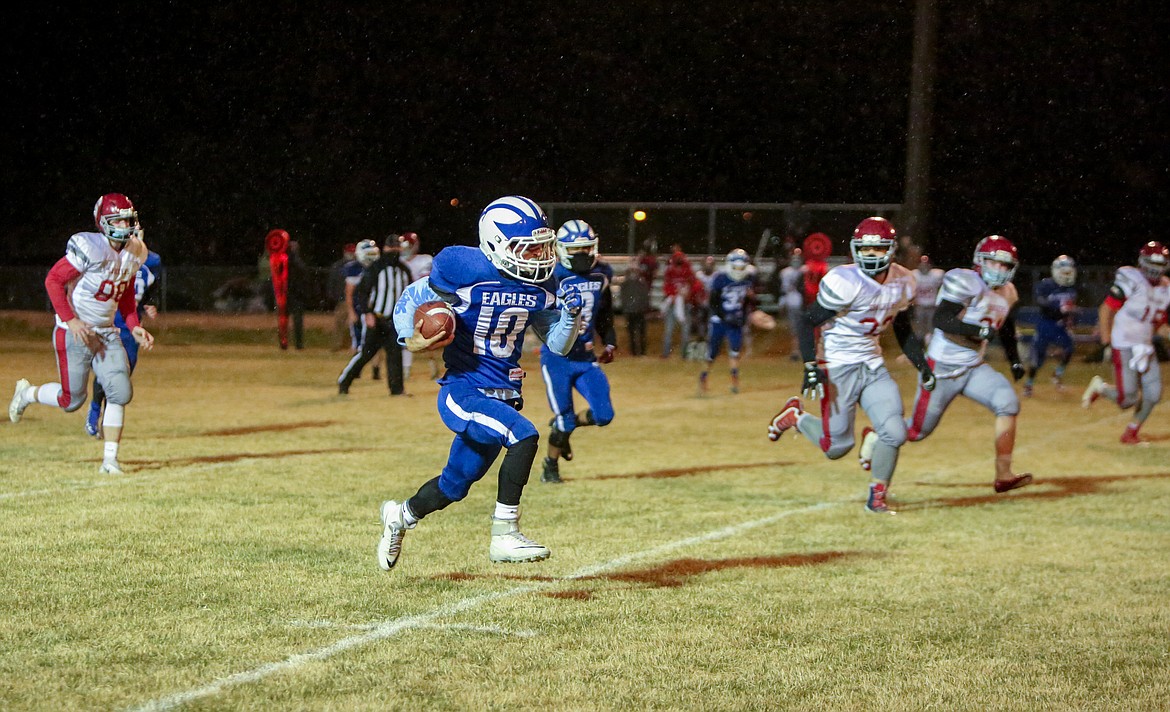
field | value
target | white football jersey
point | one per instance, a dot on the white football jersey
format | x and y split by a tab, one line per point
929	282
864	309
982	306
1145	305
419	266
95	294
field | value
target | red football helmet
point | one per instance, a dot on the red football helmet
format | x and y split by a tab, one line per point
1153	260
996	259
111	207
408	241
873	232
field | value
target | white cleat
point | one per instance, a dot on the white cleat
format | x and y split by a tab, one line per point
1093	392
18	404
111	467
509	546
393	530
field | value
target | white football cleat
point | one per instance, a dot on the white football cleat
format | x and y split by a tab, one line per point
393	530
509	546
1093	392
110	467
18	404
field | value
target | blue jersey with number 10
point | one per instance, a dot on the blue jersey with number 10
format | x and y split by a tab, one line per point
491	313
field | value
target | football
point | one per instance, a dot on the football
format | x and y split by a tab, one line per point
435	317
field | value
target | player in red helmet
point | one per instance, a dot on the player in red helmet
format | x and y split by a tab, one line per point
974	306
1134	309
858	302
94	279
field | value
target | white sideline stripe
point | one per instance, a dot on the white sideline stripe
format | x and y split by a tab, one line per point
390	628
493	629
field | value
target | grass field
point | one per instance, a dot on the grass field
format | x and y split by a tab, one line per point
695	565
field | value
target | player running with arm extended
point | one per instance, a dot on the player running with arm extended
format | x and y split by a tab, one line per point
579	269
1056	297
1134	309
858	302
496	291
974	305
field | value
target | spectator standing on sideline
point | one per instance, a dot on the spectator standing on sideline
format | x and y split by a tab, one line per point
382	282
635	296
299	292
1056	297
94	279
1134	309
647	259
792	298
930	279
496	291
353	275
335	293
699	305
676	292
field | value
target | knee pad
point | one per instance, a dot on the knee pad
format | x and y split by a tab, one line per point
892	431
119	391
75	403
1005	402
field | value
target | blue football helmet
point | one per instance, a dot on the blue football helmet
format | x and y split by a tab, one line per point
577	246
737	264
515	236
1064	271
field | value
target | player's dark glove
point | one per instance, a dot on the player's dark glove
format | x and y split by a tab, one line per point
928	379
1018	371
814	380
606	356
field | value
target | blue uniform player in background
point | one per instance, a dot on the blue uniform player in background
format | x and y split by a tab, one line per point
496	292
727	299
578	268
146	285
1056	296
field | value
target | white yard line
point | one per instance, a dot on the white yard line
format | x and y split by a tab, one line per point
492	629
392	627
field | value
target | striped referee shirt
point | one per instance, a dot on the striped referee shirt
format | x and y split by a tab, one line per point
381	285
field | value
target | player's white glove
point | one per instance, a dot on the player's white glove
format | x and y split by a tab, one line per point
928	379
570	299
814	380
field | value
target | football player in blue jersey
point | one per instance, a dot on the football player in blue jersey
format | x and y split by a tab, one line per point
1056	296
579	268
496	291
727	299
146	287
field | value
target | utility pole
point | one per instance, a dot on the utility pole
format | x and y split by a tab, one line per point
917	183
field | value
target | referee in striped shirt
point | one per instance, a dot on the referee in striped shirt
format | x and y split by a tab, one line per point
374	298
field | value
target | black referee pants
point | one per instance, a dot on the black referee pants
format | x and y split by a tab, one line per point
381	336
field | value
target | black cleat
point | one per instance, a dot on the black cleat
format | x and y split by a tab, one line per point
552	472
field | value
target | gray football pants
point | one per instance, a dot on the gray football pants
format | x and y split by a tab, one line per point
982	384
878	395
1127	383
75	361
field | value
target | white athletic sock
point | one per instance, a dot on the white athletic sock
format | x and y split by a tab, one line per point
507	512
114	415
111	452
408	517
46	394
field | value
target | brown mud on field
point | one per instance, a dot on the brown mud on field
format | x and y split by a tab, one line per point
235	457
1040	489
684	471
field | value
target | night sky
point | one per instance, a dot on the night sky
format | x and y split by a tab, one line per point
344	121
